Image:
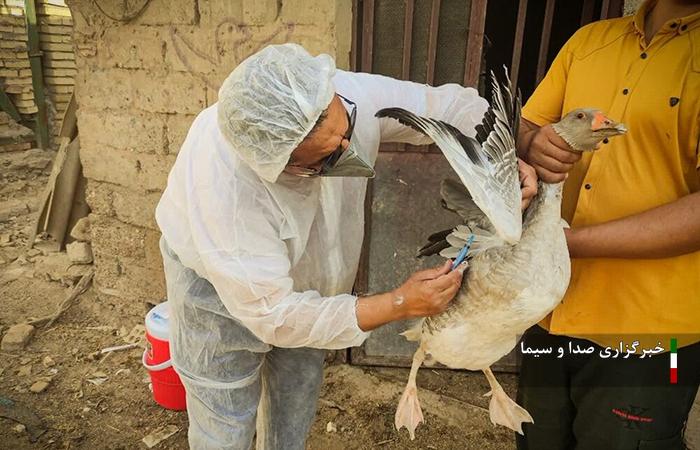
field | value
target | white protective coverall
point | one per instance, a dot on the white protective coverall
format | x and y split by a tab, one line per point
259	263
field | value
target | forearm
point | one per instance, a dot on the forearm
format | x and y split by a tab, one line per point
377	310
666	231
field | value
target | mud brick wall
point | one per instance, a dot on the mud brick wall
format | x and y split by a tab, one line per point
140	83
58	58
55	41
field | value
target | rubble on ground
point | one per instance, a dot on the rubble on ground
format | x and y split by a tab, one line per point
16	337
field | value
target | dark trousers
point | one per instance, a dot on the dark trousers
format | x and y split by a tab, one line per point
585	402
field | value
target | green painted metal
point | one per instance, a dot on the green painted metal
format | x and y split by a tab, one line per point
7	106
41	130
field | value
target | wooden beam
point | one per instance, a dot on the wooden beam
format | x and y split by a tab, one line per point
587	12
9	107
475	42
42	125
367	34
544	41
432	42
353	35
518	42
407	39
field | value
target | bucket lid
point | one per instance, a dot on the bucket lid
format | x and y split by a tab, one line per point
157	321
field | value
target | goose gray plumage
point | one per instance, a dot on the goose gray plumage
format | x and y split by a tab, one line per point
519	267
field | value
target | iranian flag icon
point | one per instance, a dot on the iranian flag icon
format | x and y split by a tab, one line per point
674	361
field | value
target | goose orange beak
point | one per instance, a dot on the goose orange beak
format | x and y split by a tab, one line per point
601	122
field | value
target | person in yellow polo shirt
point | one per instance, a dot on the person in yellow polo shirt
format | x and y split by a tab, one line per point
634	211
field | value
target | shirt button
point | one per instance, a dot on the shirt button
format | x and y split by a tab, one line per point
643	56
588	186
625	91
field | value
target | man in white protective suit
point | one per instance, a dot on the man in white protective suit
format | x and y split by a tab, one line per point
262	223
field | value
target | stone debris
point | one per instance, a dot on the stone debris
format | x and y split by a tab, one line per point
39	386
16	337
81	230
159	435
98	377
79	252
24	371
59	267
10	209
12	274
19	428
48	361
331	428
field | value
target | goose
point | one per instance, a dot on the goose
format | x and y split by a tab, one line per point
519	265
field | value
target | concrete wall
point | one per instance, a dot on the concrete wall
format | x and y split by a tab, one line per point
140	84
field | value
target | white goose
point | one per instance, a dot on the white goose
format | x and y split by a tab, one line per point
520	267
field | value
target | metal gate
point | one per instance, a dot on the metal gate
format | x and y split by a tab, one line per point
437	42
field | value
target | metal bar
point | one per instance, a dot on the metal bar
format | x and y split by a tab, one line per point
617	8
475	42
518	42
362	277
407	39
353	36
42	125
605	10
544	42
432	42
367	34
587	12
9	107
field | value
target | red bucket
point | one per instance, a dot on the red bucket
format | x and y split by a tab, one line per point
168	390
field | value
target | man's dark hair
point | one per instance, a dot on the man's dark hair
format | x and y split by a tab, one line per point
321	119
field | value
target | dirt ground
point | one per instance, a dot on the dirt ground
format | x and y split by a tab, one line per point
118	412
96	401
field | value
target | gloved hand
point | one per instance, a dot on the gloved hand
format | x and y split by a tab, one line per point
428	292
425	293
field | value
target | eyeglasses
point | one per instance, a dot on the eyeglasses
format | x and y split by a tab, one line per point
333	158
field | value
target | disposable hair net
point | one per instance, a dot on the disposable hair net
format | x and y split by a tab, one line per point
271	101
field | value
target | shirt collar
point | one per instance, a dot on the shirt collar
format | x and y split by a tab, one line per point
678	25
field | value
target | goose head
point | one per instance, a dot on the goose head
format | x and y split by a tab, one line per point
585	128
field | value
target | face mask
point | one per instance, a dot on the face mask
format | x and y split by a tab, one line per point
349	164
340	163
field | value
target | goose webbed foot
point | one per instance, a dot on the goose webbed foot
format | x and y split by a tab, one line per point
408	413
502	409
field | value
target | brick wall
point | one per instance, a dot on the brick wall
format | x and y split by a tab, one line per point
139	85
55	41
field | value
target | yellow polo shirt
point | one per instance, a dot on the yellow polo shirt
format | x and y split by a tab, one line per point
655	91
